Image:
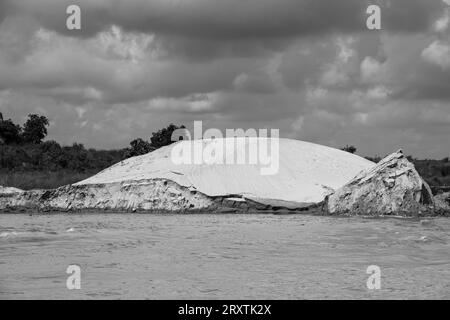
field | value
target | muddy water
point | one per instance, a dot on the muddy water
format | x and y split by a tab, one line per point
222	257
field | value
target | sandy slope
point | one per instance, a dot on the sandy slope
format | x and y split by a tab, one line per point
9	190
306	173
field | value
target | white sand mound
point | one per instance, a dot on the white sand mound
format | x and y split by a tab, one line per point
9	190
307	172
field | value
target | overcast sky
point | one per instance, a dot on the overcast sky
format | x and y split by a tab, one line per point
307	67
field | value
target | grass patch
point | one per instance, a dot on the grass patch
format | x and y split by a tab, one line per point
28	180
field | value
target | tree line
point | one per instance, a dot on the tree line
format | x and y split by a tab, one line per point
23	148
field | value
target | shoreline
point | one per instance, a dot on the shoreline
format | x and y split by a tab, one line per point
315	210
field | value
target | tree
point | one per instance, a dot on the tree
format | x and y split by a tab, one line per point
9	132
164	136
51	155
138	147
158	139
35	129
351	149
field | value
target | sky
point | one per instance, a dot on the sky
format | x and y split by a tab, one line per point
310	68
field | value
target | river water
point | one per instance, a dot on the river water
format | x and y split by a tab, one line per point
127	256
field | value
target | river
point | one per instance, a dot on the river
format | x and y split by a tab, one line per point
211	256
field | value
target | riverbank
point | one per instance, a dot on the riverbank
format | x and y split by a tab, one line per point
143	196
166	197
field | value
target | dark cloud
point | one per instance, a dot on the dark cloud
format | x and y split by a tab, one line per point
232	19
307	67
410	15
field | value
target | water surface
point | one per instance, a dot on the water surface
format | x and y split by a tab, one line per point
126	256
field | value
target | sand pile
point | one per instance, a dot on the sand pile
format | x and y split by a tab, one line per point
306	172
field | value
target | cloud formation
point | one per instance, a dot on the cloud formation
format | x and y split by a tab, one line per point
308	67
231	19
